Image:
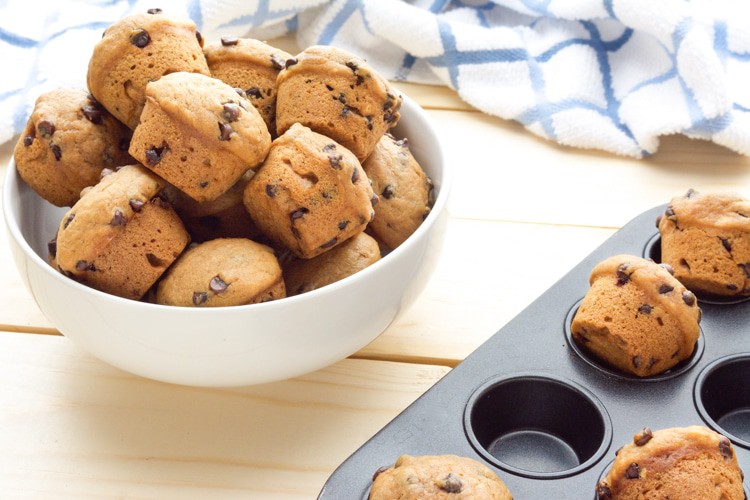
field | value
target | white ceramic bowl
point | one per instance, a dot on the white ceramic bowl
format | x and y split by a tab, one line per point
240	345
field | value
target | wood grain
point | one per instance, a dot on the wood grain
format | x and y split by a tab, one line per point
73	427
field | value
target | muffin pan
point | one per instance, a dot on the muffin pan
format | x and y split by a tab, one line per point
545	416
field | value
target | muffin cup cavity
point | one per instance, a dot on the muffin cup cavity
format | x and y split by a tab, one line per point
537	425
601	366
722	398
652	251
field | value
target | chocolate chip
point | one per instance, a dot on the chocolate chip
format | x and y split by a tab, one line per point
451	484
228	41
369	122
618	450
622	276
118	219
254	92
731	286
154	11
136	205
374	200
84	265
389	116
218	285
46	129
637	361
379	471
56	151
328	148
658	219
669	268
69	220
124	144
330	243
690	193
140	38
199	37
342	98
603	492
52	247
199	298
645	309
725	243
387	192
345	111
155	154
335	161
92	113
160	201
28	140
230	112
387	105
688	297
342	225
271	190
329	87
277	63
643	437
352	66
225	131
665	289
725	448
298	214
296	233
203	184
651	362
633	471
745	268
355	175
291	62
669	212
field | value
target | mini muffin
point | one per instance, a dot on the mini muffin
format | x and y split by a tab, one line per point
199	134
69	138
403	189
353	255
222	272
311	193
224	217
637	317
120	236
437	477
252	66
677	463
706	239
339	95
139	49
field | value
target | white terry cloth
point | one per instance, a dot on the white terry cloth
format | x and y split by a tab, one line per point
606	74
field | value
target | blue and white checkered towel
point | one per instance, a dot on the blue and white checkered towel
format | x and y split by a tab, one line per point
607	74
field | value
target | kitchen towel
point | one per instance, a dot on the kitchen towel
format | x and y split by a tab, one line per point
613	75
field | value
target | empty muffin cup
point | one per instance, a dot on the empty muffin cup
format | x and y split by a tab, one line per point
537	425
677	370
722	398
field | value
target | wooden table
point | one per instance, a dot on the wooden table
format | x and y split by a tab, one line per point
523	211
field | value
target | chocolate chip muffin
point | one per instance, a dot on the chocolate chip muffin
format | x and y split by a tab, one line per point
353	255
222	272
224	217
403	189
311	193
706	239
252	66
339	95
139	49
437	477
199	134
69	138
677	463
120	236
636	317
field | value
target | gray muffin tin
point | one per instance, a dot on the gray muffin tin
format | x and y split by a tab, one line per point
546	417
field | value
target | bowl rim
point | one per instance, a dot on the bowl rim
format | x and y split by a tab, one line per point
443	187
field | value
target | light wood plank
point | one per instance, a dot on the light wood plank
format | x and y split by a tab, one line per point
503	172
73	427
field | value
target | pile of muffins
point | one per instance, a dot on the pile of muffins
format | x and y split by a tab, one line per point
216	174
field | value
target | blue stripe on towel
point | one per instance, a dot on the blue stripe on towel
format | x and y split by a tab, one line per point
17	40
346	11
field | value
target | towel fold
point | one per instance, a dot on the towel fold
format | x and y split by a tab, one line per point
613	75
